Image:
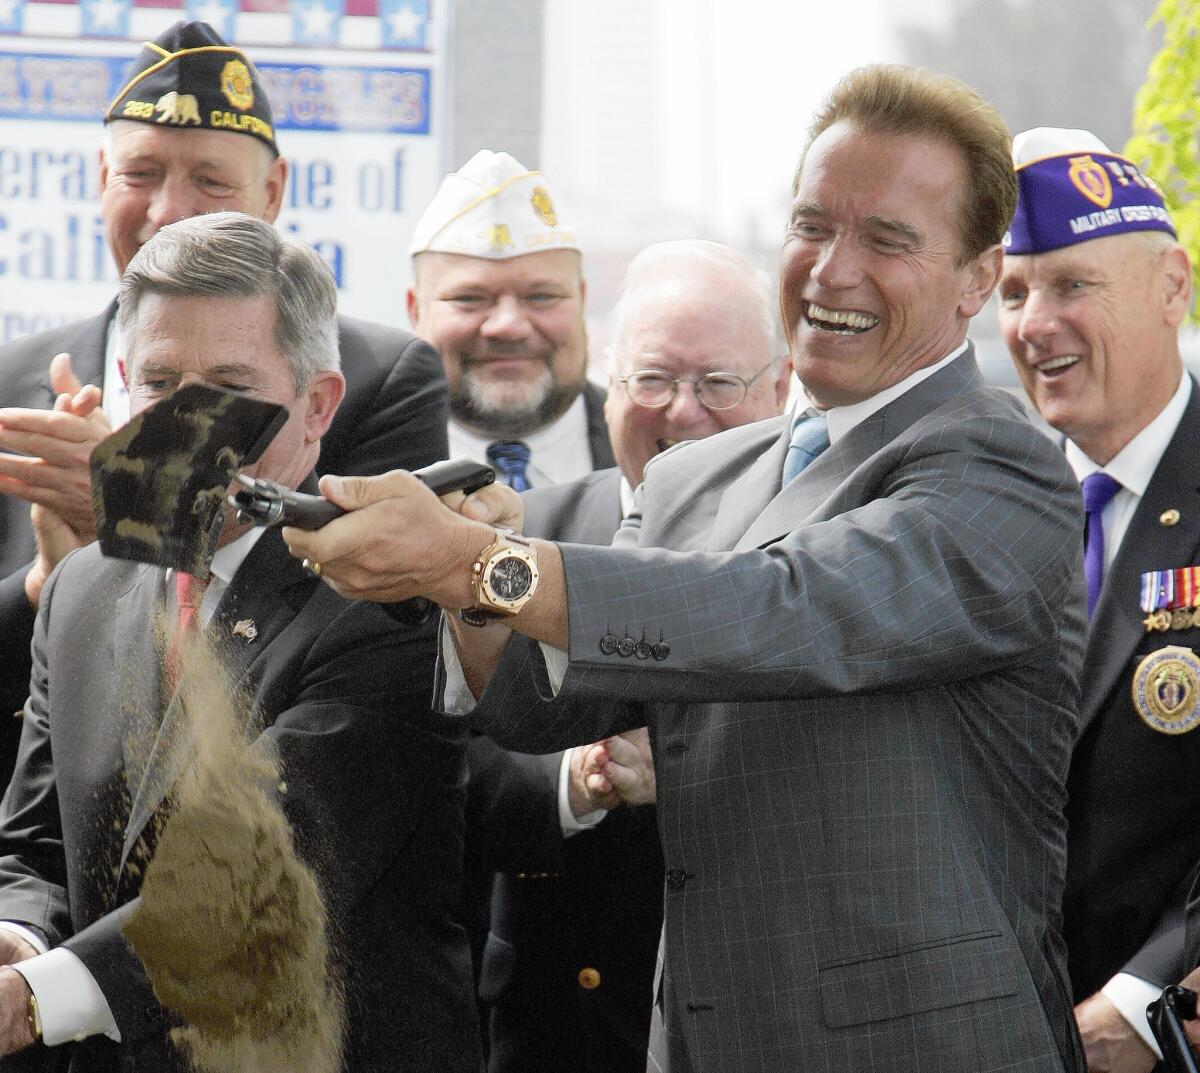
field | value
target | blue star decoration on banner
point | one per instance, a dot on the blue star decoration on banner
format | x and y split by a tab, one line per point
316	22
217	13
12	14
405	23
106	18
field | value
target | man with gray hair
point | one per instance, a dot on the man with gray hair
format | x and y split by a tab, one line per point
153	173
568	978
227	301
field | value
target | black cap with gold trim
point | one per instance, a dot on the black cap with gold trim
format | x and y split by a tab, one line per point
189	77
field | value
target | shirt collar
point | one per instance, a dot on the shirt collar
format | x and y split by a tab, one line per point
228	559
843	418
1135	463
553	450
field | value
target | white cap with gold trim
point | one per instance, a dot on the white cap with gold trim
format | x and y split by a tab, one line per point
492	207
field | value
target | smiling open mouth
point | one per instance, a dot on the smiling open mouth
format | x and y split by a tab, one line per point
1056	365
839	321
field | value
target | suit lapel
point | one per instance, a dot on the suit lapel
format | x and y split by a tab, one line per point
261	600
137	637
87	350
593	403
747	495
785	507
1147	545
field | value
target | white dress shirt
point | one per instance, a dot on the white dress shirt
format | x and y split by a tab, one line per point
1133	467
70	1002
558	453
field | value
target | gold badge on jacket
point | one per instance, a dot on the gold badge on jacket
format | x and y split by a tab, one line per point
1166	690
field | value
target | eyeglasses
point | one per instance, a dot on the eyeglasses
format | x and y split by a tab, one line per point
655	389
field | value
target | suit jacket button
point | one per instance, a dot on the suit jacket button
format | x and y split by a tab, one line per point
589	979
625	647
608	644
643	649
661	651
677	878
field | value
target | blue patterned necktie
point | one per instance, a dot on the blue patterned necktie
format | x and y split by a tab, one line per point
509	458
1098	490
810	436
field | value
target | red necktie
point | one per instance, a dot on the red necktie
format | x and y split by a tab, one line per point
189	592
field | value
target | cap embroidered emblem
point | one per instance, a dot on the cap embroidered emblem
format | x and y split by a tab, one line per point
1091	180
237	85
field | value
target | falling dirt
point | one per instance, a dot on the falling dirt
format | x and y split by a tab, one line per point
231	926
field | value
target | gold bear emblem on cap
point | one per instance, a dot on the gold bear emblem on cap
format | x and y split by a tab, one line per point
178	109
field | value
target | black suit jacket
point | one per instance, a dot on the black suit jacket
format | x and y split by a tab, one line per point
561	906
393	417
1134	793
374	797
602	453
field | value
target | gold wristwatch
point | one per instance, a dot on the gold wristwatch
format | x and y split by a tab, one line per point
505	577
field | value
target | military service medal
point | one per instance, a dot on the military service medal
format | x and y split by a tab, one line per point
1166	690
1171	599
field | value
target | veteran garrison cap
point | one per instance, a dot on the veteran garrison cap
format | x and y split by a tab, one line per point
188	77
1072	188
492	207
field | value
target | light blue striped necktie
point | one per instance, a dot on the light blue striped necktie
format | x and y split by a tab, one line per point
810	436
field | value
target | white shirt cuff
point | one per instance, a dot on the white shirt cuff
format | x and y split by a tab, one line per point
28	934
1131	995
70	1002
457	698
557	662
567	820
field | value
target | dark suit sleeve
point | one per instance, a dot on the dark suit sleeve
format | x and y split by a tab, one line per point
512	809
33	876
16	627
395	411
1166	956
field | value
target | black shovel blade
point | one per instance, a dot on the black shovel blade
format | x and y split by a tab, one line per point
159	483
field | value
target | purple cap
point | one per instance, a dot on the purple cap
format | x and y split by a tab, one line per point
1071	188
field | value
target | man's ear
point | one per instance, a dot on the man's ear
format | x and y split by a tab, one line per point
1176	285
276	184
414	309
783	383
983	275
323	395
103	170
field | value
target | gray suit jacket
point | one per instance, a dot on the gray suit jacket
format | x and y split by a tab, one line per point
861	726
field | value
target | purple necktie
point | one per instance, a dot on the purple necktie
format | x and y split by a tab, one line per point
1098	490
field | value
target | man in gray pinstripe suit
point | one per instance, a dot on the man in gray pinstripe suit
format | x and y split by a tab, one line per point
860	677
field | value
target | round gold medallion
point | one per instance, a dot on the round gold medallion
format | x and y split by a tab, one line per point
1166	690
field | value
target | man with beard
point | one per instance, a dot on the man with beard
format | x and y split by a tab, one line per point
498	290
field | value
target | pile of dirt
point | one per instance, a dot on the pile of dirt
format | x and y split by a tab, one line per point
231	926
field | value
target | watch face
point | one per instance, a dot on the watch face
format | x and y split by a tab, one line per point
510	578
